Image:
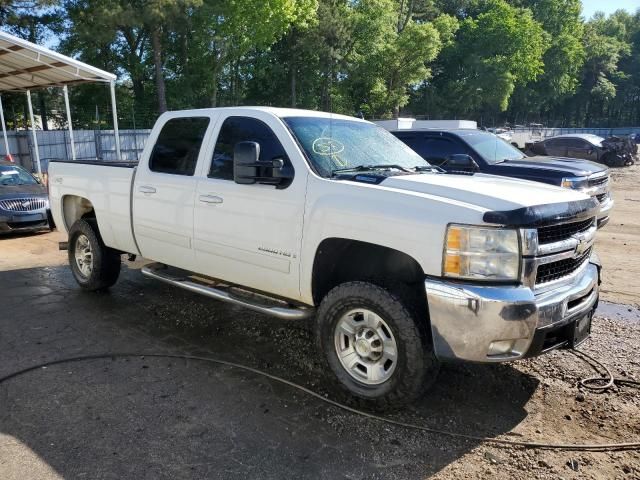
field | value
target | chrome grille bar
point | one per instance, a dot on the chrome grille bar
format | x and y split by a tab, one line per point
23	204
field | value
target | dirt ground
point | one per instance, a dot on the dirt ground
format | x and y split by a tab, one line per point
153	418
618	242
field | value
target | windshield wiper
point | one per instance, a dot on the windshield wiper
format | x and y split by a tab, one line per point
429	168
367	168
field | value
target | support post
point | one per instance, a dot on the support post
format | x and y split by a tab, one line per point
36	151
4	133
116	131
66	104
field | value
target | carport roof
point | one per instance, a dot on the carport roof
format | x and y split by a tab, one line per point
25	66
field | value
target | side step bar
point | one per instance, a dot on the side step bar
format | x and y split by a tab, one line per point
160	272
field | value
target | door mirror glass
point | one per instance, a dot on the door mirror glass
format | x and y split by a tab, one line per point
245	162
461	161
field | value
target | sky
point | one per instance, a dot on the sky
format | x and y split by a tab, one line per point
589	7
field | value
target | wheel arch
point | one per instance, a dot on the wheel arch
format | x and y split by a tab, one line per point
75	207
339	260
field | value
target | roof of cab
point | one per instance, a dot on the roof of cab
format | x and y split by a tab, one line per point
277	111
584	136
458	131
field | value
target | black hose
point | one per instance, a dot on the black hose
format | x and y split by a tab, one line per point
603	382
476	438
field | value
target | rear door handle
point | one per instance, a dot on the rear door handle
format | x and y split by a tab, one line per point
146	189
210	199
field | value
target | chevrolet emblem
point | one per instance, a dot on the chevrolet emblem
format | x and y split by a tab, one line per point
25	204
581	247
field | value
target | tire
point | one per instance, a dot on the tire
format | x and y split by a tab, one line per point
104	267
381	385
52	224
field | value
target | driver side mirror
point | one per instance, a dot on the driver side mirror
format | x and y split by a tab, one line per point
248	169
245	162
461	161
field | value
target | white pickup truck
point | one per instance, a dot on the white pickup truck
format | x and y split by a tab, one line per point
330	219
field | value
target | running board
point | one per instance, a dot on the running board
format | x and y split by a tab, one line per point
160	272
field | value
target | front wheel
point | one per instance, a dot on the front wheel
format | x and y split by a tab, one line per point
612	159
379	351
94	265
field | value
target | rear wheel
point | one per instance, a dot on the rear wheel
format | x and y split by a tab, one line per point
94	265
378	349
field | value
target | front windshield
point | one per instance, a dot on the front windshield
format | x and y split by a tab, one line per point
14	175
492	148
336	144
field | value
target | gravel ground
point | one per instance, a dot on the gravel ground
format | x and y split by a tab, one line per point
156	418
153	418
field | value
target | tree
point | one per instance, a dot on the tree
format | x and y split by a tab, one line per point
128	32
562	61
223	32
493	53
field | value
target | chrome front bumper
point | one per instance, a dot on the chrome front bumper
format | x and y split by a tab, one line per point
478	323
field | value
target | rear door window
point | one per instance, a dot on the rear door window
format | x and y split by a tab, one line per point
178	146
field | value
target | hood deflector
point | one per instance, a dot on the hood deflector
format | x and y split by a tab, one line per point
538	215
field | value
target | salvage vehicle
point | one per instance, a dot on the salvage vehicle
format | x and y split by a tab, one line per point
24	202
613	151
471	150
330	219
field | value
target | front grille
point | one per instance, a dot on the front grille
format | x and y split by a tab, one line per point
23	204
602	197
595	182
549	272
557	233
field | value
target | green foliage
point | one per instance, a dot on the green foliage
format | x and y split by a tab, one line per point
489	60
493	53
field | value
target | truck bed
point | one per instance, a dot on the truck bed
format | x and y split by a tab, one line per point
107	185
105	163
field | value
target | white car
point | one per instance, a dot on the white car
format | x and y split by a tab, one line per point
309	215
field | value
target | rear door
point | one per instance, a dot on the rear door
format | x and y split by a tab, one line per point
250	234
164	192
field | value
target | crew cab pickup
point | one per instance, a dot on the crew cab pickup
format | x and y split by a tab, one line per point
472	150
329	219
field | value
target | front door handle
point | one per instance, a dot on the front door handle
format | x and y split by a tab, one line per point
146	189
210	199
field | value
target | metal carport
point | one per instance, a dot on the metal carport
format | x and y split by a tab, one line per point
25	66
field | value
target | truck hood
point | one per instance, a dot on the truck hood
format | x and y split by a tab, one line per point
573	167
489	192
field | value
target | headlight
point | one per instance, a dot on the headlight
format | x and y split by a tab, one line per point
574	182
481	253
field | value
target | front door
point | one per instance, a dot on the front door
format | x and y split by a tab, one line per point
249	234
556	147
164	192
579	148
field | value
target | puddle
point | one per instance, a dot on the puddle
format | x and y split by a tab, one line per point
618	311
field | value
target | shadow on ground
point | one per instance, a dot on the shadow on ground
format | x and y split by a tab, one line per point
163	418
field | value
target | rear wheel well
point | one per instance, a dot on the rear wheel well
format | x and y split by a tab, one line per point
75	208
340	260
